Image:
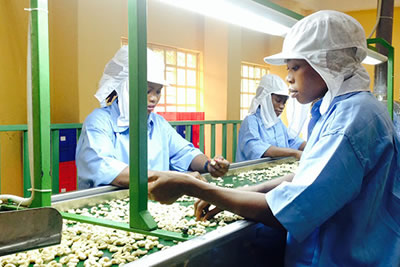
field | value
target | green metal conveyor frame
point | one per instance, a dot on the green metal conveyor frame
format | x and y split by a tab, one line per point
140	219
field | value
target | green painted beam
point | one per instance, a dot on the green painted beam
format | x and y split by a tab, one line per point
188	132
212	140
12	128
25	165
55	163
234	142
40	103
201	137
124	226
390	71
177	123
224	137
139	217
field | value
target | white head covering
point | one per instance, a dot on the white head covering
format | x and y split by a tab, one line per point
269	84
334	44
116	77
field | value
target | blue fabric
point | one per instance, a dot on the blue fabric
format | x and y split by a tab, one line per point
315	115
103	147
254	139
342	207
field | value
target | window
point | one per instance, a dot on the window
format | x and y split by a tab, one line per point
182	74
250	77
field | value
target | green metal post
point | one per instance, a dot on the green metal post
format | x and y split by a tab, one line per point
234	142
390	71
224	140
139	217
201	137
25	162
188	132
212	140
55	137
40	103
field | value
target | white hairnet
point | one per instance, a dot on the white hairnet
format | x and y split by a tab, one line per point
269	84
334	44
116	78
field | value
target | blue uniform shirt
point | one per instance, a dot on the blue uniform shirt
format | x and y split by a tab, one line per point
343	206
103	147
255	139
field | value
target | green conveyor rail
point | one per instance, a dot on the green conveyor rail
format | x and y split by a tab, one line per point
124	226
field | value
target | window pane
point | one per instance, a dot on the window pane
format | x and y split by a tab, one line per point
171	99
191	96
162	98
251	72
171	95
242	114
245	85
257	73
191	60
181	77
242	100
170	91
171	75
159	52
171	108
181	59
181	109
190	109
159	109
251	86
171	57
191	78
245	100
181	95
245	71
250	98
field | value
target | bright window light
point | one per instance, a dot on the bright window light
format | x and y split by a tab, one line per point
374	58
254	16
244	13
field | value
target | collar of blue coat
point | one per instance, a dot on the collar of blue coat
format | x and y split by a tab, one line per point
114	110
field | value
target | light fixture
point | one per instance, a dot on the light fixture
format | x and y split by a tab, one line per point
261	16
245	13
374	58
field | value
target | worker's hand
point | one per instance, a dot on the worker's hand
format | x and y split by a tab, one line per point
166	186
197	175
202	212
218	166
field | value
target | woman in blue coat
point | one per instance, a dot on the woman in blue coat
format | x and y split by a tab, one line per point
262	133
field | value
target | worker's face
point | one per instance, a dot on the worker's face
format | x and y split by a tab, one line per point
153	96
305	84
279	102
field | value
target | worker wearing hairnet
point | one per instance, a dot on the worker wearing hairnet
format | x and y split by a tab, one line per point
102	154
342	206
262	133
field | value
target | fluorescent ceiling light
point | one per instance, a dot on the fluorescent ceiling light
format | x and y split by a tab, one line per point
254	16
374	58
244	13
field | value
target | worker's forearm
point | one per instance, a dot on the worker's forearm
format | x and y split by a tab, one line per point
122	180
274	151
251	205
198	163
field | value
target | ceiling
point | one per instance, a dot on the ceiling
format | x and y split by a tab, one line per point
340	5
